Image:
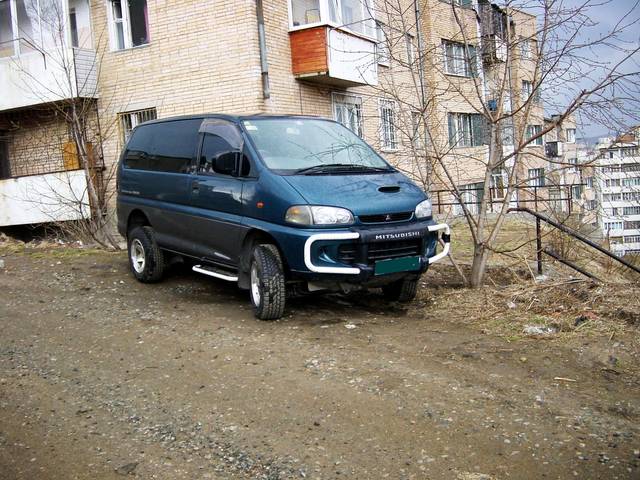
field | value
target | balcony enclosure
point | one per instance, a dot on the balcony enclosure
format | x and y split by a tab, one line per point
46	52
333	41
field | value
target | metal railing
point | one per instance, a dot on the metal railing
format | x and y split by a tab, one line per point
497	196
572	233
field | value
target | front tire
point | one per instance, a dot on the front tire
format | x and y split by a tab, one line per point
404	290
267	283
145	257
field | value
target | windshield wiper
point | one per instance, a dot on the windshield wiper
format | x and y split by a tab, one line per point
339	167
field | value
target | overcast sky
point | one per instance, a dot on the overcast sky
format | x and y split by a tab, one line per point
605	14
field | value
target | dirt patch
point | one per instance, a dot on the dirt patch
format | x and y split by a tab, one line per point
102	377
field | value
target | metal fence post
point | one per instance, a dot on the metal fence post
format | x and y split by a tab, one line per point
539	245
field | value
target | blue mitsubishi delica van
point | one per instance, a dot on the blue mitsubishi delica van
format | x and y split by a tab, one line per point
274	203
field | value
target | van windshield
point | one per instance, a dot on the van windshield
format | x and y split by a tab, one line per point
312	147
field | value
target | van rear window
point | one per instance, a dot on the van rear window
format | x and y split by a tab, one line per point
163	147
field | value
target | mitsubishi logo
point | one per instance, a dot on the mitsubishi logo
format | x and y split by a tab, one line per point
387	218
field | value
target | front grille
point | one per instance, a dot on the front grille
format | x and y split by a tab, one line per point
386	217
349	252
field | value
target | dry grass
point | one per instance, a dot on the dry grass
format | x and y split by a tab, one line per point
516	253
510	302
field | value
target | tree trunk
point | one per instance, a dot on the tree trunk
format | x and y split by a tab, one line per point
479	265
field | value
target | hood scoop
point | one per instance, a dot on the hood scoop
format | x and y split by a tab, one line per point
389	189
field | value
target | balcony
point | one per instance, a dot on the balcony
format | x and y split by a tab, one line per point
52	197
39	77
493	30
46	52
333	42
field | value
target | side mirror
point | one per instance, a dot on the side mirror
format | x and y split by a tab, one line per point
226	163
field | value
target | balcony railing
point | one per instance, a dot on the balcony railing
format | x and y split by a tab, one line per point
39	77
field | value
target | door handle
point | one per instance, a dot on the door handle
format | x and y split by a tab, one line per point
195	186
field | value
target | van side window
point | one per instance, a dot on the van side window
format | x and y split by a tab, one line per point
163	147
216	154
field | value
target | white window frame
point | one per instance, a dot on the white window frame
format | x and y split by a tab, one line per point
532	131
325	19
525	48
126	27
418	139
527	90
536	177
411	48
570	137
37	40
499	183
351	100
462	66
383	54
388	132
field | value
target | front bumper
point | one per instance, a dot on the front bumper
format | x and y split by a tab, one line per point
317	261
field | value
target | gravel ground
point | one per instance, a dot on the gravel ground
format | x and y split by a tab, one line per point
102	378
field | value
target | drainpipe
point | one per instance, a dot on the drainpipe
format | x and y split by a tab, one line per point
416	5
423	94
264	65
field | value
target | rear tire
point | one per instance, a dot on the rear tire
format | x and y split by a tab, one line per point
267	282
145	257
404	290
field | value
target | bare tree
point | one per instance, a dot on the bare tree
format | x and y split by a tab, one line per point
71	95
481	93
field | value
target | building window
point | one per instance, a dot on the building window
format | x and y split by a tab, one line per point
353	15
573	165
536	177
632	239
570	134
130	120
347	110
459	3
471	196
591	205
30	25
499	181
589	182
576	192
612	226
612	182
631	182
305	12
388	136
466	129
631	210
611	197
383	54
459	59
630	196
418	137
128	23
507	131
526	50
411	51
633	225
527	90
532	131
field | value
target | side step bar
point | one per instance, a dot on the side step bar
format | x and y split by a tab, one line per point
214	272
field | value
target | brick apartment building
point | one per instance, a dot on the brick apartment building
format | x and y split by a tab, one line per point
130	61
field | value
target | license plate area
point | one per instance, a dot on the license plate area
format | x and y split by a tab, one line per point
395	265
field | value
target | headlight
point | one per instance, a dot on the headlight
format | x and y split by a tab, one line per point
423	209
318	215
